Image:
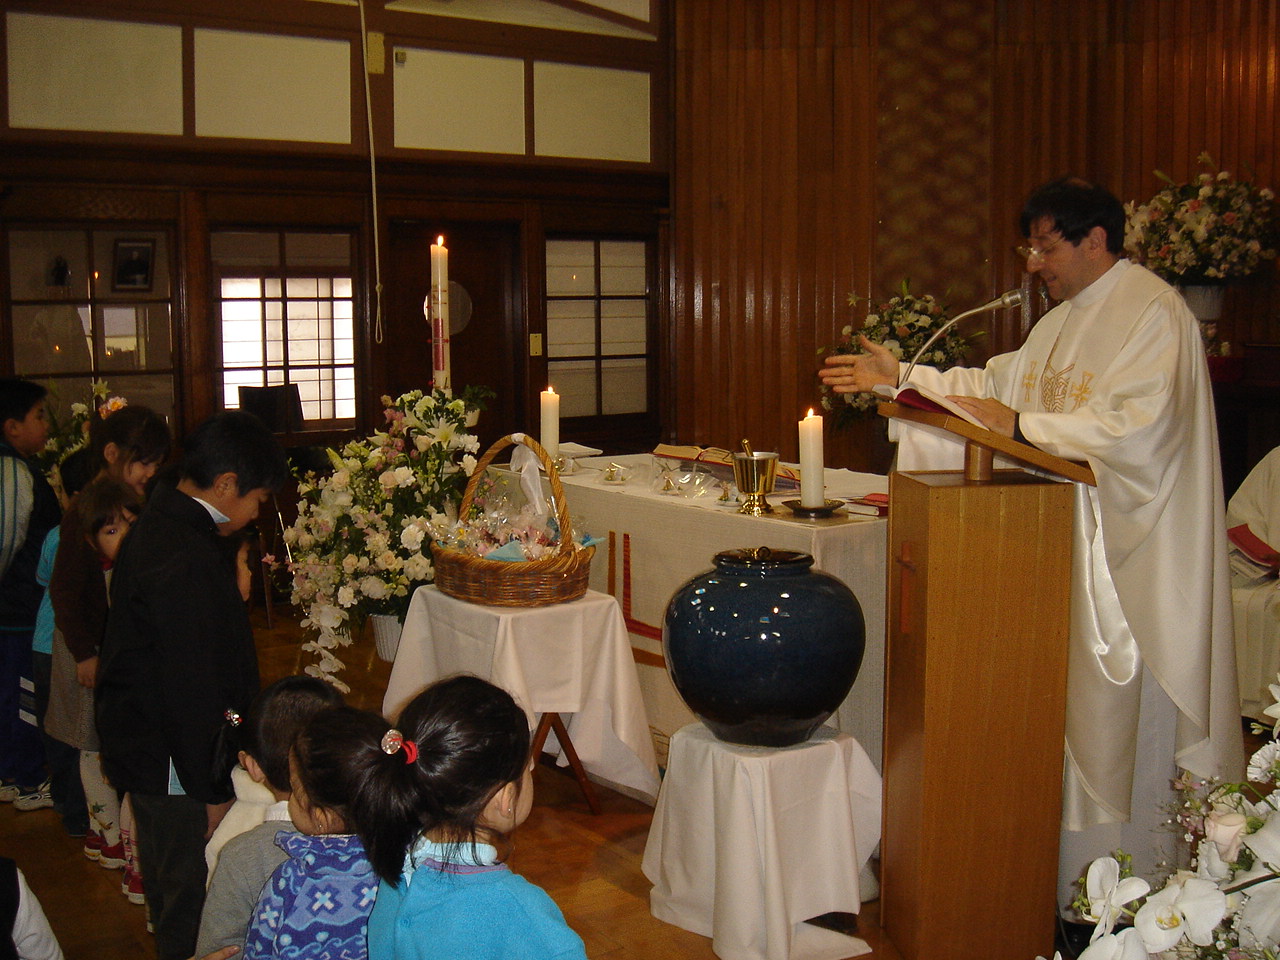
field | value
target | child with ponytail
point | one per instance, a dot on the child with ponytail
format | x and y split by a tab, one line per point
440	798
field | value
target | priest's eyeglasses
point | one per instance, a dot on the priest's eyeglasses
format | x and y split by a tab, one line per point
1027	253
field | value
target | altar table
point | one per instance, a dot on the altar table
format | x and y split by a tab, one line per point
749	842
566	658
653	543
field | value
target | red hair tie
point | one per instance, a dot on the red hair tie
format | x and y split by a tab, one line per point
393	741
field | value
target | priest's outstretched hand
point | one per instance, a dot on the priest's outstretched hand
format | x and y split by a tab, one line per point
859	373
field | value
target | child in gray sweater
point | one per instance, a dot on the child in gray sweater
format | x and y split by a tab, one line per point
247	860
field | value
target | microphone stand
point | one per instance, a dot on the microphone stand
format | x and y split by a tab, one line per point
1011	298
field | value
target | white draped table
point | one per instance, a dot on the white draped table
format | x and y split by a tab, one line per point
653	543
749	842
566	658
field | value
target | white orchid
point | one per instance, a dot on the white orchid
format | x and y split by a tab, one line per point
1125	945
1188	906
1273	711
1108	893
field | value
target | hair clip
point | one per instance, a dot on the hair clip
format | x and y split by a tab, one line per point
232	718
393	741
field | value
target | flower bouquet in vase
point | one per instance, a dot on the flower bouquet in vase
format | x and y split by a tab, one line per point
902	324
361	543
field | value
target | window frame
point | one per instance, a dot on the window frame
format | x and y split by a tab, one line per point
612	429
283	272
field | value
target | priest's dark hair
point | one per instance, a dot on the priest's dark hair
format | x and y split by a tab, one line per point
466	739
1075	206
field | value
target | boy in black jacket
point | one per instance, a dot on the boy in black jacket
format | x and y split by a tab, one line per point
178	657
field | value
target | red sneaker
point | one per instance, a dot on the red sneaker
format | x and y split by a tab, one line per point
131	886
93	844
112	857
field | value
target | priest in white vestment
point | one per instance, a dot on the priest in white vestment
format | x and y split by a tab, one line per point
1114	375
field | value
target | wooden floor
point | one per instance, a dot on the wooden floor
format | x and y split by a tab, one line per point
589	864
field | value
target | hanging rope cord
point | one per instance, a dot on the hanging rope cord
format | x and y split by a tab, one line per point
373	179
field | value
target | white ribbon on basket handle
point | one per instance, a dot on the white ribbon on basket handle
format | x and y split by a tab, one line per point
525	463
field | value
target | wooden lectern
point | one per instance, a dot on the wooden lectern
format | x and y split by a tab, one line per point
975	694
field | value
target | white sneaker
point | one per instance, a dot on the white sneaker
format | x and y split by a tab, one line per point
9	791
37	799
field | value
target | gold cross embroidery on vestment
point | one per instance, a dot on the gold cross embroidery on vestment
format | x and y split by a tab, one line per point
1053	387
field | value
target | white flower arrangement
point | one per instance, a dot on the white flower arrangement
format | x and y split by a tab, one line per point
902	324
1211	230
361	543
1227	906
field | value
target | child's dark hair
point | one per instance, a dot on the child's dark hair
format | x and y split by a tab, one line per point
234	442
333	755
76	470
471	739
138	432
275	718
18	397
104	500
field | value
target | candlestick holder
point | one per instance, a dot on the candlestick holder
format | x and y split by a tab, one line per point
754	474
827	509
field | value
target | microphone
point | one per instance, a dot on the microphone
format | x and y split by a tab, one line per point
1011	298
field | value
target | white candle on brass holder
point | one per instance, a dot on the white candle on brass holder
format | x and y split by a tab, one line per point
550	437
813	491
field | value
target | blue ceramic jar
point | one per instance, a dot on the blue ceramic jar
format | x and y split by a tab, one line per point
763	648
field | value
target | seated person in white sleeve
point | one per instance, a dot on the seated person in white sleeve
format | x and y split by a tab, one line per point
1114	375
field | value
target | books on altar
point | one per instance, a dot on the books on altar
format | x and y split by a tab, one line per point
922	398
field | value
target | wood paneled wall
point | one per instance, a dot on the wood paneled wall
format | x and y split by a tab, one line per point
829	147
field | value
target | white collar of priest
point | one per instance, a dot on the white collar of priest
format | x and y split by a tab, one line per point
1101	287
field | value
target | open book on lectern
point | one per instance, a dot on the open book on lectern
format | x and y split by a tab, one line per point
922	398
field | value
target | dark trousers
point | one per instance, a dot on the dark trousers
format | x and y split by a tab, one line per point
171	850
21	754
62	759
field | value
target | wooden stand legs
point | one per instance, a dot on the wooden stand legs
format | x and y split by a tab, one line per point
552	721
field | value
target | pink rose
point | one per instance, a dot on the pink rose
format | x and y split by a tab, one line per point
1225	828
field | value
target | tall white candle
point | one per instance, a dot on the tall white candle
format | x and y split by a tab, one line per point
438	315
550	437
813	492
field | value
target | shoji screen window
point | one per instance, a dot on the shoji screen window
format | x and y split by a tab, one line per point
287	317
598	322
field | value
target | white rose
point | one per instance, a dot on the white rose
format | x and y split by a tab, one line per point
346	596
404	476
411	537
373	588
417	567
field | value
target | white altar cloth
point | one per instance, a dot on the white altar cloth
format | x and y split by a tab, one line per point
749	842
654	543
569	658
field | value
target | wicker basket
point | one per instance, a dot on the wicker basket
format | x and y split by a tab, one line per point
554	578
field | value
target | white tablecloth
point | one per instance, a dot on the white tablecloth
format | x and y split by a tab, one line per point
749	842
568	658
661	541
